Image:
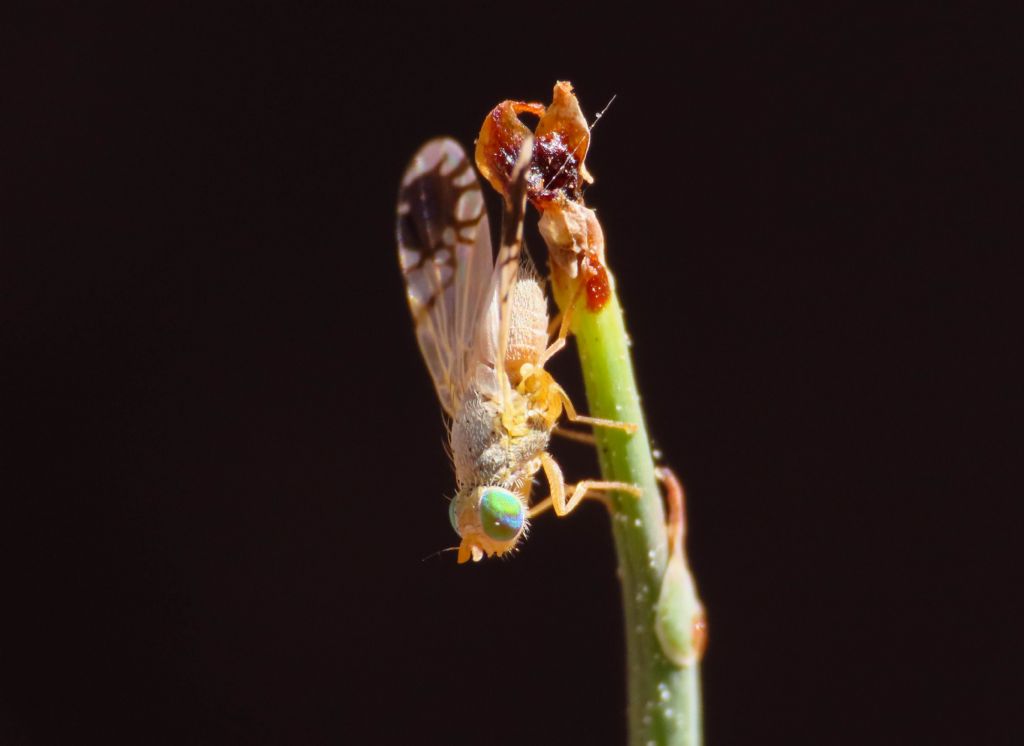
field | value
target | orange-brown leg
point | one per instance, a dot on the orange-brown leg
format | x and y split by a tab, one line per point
579	437
587	488
570	412
563	330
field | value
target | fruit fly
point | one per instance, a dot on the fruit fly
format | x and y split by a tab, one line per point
482	326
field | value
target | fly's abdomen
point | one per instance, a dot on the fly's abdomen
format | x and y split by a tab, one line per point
528	327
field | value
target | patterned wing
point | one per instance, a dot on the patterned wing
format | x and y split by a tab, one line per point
444	249
510	255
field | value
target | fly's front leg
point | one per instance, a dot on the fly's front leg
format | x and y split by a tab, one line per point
597	488
592	488
556	483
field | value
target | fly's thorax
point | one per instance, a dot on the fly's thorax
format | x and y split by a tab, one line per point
489	519
490	455
475	431
492	446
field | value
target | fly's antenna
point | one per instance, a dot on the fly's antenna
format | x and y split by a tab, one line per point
597	118
439	552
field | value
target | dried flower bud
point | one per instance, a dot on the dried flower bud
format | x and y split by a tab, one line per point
501	138
555	181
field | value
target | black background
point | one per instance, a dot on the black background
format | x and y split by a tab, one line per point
227	463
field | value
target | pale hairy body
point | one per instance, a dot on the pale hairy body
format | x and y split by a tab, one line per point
494	443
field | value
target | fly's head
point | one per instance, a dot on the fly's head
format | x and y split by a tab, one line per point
490	520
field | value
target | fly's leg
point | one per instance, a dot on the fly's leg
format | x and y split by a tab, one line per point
570	412
563	330
595	488
587	488
556	324
556	483
585	438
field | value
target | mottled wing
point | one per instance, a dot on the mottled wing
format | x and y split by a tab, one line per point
510	255
444	249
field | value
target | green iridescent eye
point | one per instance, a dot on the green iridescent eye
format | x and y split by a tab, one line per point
501	514
453	516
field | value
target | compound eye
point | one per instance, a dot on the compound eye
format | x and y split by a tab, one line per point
501	514
453	515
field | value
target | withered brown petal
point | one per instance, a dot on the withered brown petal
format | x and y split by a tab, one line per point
501	138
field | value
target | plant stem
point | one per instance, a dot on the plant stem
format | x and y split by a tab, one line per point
664	698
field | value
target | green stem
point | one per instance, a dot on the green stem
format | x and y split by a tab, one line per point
664	698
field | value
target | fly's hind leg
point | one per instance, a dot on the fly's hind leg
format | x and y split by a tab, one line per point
592	488
563	329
